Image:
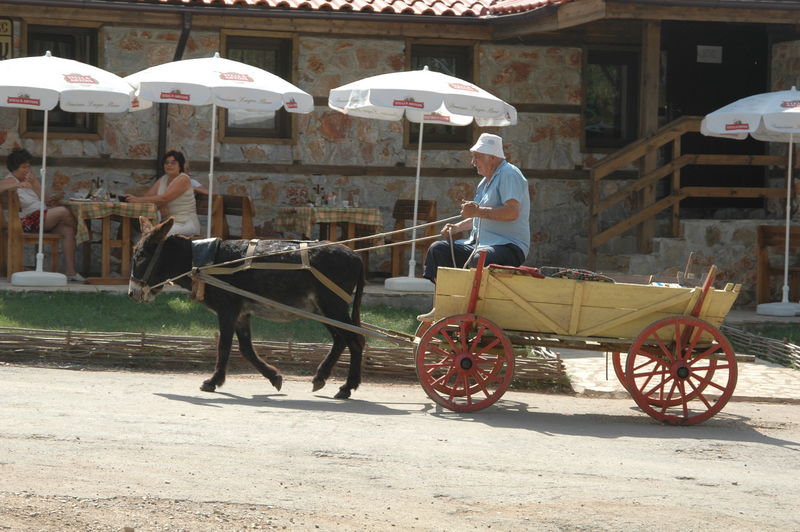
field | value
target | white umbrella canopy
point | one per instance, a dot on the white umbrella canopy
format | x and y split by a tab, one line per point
423	97
41	83
219	82
769	117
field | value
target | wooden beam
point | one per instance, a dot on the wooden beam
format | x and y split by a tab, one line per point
652	11
734	192
650	67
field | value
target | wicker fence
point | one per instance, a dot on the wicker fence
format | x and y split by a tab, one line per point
769	349
151	351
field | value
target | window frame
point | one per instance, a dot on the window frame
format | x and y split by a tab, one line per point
430	138
630	57
286	131
93	123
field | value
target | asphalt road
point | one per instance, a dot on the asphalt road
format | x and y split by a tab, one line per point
106	450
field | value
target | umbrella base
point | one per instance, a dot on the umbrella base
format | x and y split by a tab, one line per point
778	309
38	278
409	284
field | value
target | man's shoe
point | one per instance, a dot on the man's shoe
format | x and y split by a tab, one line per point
428	316
77	278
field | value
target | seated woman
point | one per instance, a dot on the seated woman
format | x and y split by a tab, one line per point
174	194
56	219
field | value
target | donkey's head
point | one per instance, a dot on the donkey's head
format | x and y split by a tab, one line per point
148	270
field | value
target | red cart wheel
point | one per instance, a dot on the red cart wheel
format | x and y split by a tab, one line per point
465	362
617	363
681	370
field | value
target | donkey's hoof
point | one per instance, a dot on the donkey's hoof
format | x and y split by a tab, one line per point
318	384
208	386
344	393
277	381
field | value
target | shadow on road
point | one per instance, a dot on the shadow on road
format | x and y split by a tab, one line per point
519	415
327	404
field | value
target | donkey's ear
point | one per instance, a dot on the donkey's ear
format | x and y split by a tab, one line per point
145	224
163	228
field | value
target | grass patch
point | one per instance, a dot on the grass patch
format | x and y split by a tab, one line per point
171	314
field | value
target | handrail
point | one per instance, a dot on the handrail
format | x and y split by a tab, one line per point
647	148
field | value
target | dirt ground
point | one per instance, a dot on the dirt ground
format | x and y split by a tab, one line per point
129	451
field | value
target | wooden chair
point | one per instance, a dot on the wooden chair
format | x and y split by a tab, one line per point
13	239
225	205
772	241
404	217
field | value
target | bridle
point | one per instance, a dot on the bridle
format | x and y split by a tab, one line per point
146	288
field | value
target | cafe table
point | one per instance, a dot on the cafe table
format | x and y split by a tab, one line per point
87	210
329	219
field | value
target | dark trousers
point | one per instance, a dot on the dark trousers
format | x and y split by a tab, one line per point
439	255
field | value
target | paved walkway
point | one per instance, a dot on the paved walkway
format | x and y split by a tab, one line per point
758	381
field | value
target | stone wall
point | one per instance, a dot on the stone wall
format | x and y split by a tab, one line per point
520	74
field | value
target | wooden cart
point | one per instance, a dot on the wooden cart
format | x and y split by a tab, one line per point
679	367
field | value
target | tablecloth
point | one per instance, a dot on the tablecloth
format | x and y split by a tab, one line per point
83	210
303	219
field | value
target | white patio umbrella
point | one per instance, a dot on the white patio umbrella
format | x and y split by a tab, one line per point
771	117
422	96
219	82
41	83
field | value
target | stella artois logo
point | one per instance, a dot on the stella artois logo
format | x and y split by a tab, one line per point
736	126
408	101
793	104
80	78
235	76
463	87
436	117
23	100
175	95
291	104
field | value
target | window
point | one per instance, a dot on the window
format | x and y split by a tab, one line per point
453	61
270	54
79	44
611	84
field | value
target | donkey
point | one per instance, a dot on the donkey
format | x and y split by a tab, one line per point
158	258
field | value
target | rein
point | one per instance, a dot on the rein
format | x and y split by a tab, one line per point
248	259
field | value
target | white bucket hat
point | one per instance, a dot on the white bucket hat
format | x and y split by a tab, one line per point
490	145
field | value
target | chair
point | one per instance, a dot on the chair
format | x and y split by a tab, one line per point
13	240
404	217
225	205
774	236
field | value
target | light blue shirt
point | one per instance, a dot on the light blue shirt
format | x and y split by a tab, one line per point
507	183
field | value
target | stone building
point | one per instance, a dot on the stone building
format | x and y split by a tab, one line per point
587	77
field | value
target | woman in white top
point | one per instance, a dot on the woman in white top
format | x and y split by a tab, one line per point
56	219
174	194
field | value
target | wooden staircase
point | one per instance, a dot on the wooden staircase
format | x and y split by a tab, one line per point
666	174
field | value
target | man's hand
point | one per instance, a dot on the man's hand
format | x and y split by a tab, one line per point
470	209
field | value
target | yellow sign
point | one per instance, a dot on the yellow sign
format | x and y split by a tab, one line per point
6	38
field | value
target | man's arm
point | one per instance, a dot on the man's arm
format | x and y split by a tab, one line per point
507	212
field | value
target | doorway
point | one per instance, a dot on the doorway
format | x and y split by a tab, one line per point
707	66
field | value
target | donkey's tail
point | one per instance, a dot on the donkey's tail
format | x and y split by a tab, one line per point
362	279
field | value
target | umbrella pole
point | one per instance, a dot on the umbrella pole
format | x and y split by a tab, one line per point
412	264
784	308
785	298
39	277
211	169
42	183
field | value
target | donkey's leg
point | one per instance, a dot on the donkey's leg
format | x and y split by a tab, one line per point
355	343
226	321
326	366
246	348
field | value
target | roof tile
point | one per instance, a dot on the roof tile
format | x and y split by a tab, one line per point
457	8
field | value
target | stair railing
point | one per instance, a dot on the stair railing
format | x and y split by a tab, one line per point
670	134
